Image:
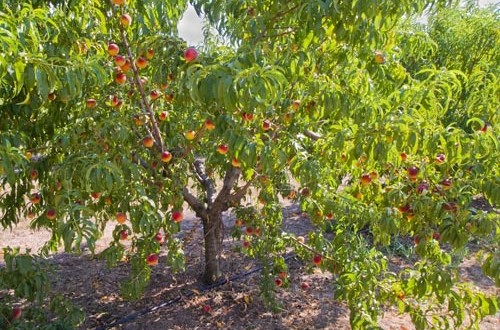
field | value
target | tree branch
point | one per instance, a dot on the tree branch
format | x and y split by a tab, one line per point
137	79
239	193
205	180
312	135
222	200
194	203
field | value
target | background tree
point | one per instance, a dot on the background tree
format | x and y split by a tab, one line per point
110	118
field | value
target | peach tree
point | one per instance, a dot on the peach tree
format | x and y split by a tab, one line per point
378	128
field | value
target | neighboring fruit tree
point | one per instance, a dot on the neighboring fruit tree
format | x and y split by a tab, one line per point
380	129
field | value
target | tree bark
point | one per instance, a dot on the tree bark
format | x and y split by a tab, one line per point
212	229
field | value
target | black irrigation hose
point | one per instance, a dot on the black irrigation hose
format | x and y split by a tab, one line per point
133	316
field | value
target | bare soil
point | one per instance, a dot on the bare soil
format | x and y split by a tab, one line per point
177	301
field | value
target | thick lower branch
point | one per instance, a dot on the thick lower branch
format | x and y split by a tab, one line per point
205	180
223	198
194	203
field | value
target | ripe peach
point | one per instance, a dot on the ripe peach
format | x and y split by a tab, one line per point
148	141
120	60
150	53
266	125
222	149
379	58
190	54
278	282
141	62
121	217
296	104
51	214
16	313
317	260
113	49
152	259
125	20
35	198
209	125
163	116
123	234
126	66
247	116
190	135
177	216
365	179
119	2
121	78
166	156
235	162
91	103
154	94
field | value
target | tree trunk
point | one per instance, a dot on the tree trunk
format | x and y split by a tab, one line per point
212	229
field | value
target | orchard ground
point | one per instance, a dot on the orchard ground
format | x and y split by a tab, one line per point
306	304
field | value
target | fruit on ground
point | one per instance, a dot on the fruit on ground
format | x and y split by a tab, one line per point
91	103
51	214
121	217
304	286
190	54
152	259
166	156
317	260
207	309
222	149
113	49
177	216
148	141
278	282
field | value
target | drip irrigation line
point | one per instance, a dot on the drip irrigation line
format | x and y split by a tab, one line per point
189	293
